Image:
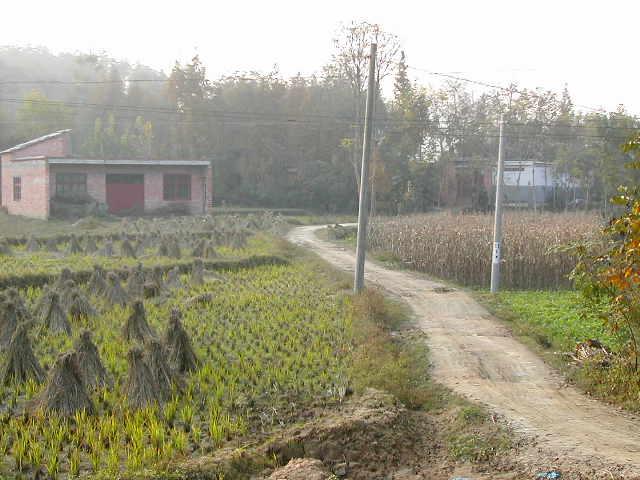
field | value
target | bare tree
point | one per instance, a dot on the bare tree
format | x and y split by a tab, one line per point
352	58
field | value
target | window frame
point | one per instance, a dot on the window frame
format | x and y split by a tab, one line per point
176	187
69	189
17	189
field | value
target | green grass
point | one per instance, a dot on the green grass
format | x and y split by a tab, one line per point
555	319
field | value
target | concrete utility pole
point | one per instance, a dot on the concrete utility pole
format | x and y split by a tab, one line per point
497	226
533	183
364	175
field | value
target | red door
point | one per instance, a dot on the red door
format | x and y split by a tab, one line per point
125	193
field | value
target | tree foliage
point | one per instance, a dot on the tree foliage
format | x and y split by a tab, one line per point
296	142
608	272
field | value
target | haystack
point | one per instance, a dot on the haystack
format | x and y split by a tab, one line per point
135	282
200	299
163	375
156	276
148	241
181	354
210	250
65	392
198	249
20	362
65	276
138	247
239	240
42	304
174	248
8	321
173	278
107	249
32	244
163	248
90	245
98	281
136	327
115	294
79	307
54	317
74	245
140	387
92	371
66	292
5	249
150	290
197	272
21	306
126	249
51	245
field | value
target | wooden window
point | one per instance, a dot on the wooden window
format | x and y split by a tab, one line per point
71	184
17	189
177	187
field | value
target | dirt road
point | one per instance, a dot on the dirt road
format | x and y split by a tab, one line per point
476	356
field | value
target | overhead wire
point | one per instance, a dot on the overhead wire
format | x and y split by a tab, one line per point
307	118
510	89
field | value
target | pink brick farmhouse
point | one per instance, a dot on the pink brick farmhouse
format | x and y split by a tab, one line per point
35	172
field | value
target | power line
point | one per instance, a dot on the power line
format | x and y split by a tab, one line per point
511	89
291	118
247	78
213	113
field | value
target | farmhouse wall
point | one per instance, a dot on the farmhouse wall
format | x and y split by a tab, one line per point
201	183
34	186
154	189
55	147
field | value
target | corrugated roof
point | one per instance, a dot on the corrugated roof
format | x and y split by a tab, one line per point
148	163
36	140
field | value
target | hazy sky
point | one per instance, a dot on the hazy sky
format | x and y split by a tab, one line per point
590	45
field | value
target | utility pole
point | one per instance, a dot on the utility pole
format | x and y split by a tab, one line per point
497	226
363	204
533	185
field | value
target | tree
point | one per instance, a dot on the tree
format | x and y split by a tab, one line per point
608	273
38	116
403	141
351	62
190	94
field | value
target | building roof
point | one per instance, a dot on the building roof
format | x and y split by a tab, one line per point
36	140
129	162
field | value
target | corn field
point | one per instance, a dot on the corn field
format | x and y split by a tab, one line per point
458	247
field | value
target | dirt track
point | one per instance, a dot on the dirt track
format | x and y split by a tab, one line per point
477	357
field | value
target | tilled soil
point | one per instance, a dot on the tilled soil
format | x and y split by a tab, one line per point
477	357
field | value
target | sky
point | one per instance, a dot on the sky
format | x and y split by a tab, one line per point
589	45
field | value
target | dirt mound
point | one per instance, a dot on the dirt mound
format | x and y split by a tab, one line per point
302	469
368	437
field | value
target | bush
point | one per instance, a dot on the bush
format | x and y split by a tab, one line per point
608	271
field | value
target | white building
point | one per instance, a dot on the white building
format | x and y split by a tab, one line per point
528	181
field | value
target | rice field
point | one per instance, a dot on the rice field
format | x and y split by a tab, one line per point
140	349
458	247
147	242
268	341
